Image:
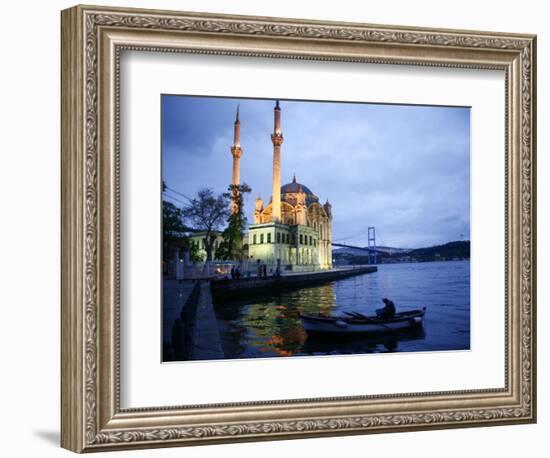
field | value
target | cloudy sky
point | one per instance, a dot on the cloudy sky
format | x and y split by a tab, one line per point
403	169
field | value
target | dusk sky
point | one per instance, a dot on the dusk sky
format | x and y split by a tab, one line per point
403	169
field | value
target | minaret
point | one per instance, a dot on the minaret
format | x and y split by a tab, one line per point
236	152
277	139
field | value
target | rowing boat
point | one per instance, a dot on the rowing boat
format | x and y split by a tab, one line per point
357	323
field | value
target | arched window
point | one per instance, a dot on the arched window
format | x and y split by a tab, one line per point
254	239
269	237
261	238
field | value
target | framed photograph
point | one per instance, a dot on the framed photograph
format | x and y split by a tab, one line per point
278	228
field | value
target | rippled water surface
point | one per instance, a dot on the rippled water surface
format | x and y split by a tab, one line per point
269	325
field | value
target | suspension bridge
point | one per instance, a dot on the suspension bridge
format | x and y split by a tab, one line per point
371	248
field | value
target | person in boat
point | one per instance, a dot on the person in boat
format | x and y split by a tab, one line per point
388	311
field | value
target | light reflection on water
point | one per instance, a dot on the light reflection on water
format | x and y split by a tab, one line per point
269	325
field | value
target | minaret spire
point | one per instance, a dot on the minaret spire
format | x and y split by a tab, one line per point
277	140
237	130
236	152
277	118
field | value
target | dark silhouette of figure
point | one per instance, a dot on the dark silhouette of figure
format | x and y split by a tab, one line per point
233	272
388	311
390	344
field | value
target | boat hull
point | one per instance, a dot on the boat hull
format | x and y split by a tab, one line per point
370	325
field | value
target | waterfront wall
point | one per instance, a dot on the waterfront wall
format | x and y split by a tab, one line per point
195	334
241	286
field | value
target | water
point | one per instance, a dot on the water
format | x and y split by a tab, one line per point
269	325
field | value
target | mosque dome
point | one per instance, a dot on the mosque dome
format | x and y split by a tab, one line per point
295	187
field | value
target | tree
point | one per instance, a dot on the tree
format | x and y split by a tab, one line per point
232	244
196	254
175	232
207	213
172	229
172	220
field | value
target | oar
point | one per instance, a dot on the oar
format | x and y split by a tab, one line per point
360	315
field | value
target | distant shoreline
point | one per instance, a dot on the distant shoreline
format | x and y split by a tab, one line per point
451	251
423	262
408	262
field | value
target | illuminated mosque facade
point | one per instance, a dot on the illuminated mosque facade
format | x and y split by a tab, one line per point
293	230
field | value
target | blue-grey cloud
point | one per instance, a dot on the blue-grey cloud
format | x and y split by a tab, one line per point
404	169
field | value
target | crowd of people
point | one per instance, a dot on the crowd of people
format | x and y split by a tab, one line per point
261	271
235	272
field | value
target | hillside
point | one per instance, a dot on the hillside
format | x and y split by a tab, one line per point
447	252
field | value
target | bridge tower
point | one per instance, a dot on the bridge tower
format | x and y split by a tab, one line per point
371	234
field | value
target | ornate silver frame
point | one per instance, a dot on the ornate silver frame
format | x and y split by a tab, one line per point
92	39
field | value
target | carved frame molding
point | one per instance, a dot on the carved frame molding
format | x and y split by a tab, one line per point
92	40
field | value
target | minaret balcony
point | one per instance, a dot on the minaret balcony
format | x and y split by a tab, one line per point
236	152
277	139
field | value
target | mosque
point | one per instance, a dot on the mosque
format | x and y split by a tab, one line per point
294	230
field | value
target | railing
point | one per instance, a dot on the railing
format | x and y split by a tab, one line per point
242	269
